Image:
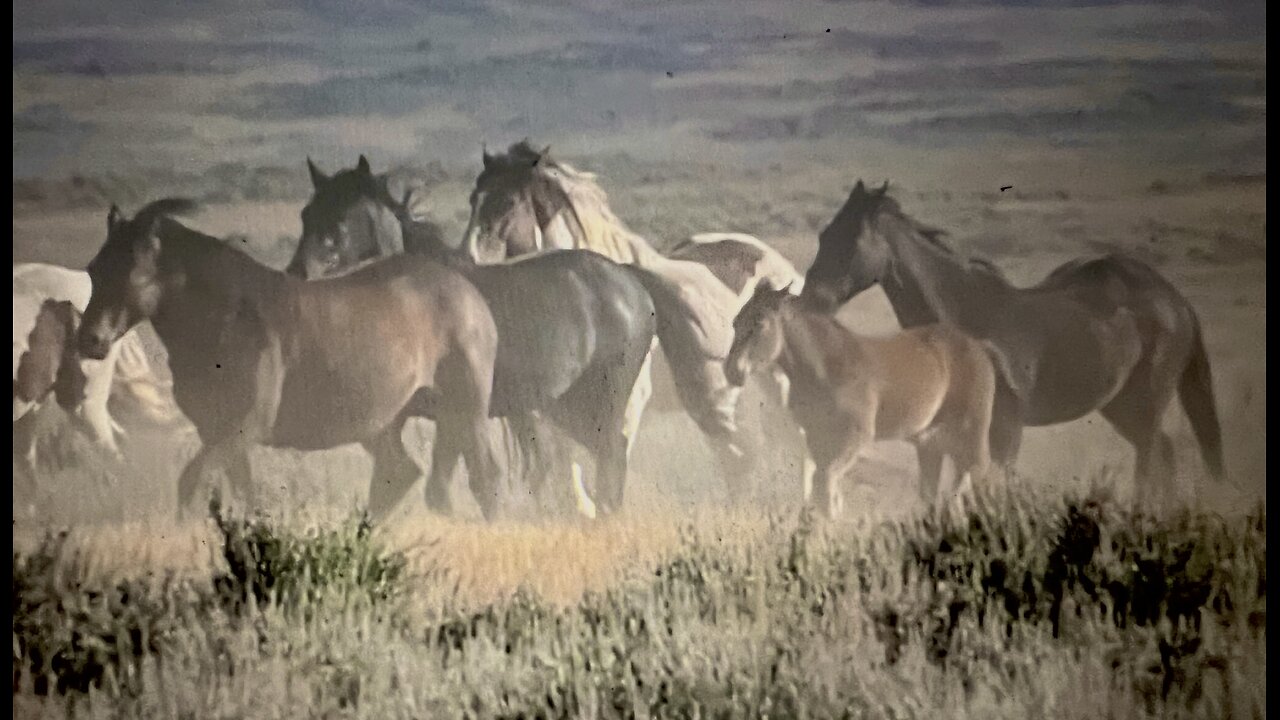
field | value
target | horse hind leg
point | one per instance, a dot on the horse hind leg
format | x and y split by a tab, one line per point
1005	436
394	471
445	452
1137	414
483	469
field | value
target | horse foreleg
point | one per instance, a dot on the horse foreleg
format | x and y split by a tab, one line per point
781	385
229	451
229	457
93	409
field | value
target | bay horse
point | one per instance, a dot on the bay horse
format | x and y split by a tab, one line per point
526	201
261	358
48	301
574	328
931	385
1105	333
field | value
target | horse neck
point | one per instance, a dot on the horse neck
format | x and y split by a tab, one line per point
423	239
202	275
803	358
928	284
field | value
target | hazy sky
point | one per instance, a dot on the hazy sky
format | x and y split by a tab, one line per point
922	90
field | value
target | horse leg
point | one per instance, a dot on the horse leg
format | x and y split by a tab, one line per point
835	458
717	418
230	457
394	471
1005	435
1136	413
641	394
807	471
611	468
24	446
240	478
93	410
229	450
929	459
780	385
445	452
483	474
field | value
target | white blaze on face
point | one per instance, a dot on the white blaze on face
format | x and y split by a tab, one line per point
472	237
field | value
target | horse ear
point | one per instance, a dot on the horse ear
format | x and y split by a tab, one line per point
786	290
403	207
152	237
883	189
114	217
362	165
485	157
318	178
859	188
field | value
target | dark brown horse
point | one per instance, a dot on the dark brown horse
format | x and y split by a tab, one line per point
262	358
574	328
1107	333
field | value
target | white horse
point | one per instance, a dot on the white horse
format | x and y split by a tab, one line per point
47	303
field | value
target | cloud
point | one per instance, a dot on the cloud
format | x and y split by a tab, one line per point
44	133
106	56
912	46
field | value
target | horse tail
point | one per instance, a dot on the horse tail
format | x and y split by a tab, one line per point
683	337
527	449
1195	389
1006	415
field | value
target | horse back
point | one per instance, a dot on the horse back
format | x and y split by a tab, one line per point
558	313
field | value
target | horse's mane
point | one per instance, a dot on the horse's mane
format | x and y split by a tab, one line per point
935	238
604	231
164	208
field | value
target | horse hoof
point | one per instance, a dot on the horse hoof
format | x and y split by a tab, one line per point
438	505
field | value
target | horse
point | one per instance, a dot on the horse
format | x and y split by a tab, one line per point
1105	333
574	328
931	385
525	201
48	301
261	358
